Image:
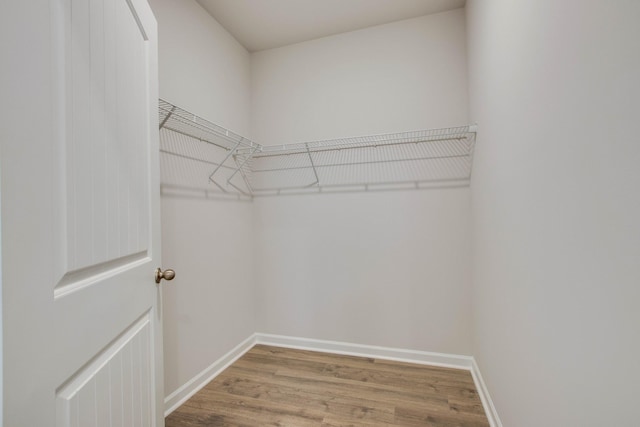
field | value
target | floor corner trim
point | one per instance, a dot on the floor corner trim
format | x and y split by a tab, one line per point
397	354
483	391
191	387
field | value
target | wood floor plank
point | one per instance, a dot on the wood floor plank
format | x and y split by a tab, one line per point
411	416
273	386
333	421
277	412
389	392
231	415
342	405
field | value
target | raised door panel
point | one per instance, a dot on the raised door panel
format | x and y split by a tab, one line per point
105	138
115	388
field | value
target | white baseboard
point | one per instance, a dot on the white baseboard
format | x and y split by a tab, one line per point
487	403
387	353
182	394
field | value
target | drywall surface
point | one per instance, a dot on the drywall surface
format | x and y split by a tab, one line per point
554	89
202	67
396	77
387	268
208	307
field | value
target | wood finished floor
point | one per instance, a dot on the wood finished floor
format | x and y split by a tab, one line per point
273	386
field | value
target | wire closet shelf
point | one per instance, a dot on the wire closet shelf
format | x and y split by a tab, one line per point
199	157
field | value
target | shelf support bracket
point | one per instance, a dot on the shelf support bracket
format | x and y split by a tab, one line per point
315	173
253	150
167	118
233	150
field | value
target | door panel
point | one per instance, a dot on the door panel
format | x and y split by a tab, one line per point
115	388
80	214
107	208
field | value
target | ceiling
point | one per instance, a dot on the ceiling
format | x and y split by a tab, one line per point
266	24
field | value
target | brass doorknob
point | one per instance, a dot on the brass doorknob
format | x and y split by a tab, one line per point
168	274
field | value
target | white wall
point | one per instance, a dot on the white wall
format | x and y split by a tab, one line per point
395	77
202	67
554	89
388	269
208	308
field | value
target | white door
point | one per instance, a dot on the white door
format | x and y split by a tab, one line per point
80	214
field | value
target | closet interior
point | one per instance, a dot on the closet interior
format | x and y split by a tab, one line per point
315	193
531	269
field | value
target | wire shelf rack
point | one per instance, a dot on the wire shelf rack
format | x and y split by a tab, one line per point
199	156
